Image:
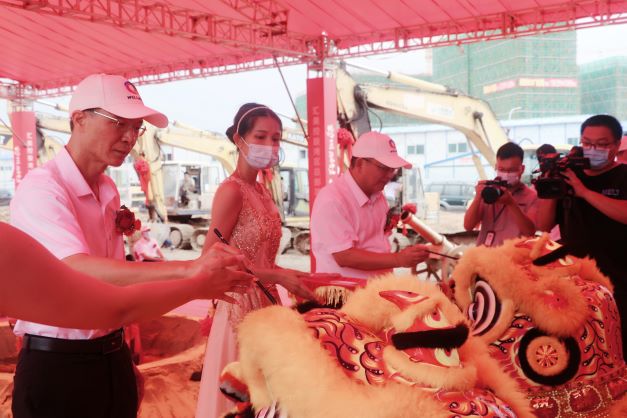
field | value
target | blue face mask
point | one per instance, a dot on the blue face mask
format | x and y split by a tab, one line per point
512	179
261	156
598	157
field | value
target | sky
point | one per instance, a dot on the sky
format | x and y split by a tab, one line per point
210	103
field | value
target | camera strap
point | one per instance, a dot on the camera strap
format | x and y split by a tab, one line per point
496	216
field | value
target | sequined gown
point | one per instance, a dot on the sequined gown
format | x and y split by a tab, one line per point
257	234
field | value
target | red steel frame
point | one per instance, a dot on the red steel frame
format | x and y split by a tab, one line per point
262	33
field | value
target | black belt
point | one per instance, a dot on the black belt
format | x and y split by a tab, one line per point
101	345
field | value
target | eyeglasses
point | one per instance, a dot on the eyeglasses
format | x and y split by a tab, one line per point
137	131
601	145
381	166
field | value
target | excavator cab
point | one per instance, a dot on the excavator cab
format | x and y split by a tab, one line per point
295	182
189	188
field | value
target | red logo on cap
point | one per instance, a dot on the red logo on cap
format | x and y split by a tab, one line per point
392	145
130	87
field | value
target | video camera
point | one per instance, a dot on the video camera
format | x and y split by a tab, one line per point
551	184
492	190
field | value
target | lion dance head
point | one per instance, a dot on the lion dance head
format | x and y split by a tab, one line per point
550	321
398	348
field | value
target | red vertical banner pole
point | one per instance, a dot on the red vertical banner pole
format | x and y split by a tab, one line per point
24	129
322	135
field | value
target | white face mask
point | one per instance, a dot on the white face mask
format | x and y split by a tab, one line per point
261	156
512	179
598	157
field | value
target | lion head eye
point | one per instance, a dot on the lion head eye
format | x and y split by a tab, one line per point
435	319
485	309
448	358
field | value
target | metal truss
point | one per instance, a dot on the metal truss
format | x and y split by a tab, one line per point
266	32
262	32
510	25
266	12
149	74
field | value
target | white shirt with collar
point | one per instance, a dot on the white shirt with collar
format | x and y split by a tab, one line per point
55	205
344	217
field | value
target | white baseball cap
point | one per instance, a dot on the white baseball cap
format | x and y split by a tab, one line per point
379	147
116	95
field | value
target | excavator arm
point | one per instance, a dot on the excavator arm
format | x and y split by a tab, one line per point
48	146
202	142
425	101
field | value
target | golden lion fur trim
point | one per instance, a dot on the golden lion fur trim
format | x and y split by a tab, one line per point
281	361
278	353
511	274
491	375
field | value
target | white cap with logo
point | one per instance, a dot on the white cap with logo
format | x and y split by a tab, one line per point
379	147
116	95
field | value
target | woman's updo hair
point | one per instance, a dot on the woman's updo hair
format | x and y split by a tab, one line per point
246	117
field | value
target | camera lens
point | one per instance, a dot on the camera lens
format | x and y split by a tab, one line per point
490	194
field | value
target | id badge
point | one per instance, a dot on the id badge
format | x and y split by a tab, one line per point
489	239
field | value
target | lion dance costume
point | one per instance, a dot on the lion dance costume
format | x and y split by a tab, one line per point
550	321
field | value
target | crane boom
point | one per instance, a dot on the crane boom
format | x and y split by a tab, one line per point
425	101
203	142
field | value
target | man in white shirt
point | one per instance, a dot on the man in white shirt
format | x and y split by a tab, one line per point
348	217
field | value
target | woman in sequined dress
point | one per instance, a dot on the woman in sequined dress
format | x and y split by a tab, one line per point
244	212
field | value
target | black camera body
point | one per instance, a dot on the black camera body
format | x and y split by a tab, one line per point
551	184
492	190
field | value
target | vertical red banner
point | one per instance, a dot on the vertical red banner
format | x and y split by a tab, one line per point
322	132
24	144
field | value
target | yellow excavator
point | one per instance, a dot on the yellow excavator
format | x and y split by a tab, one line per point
187	216
423	100
164	189
429	102
47	146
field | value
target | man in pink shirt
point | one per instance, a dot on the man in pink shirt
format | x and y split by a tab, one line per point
147	248
349	215
70	206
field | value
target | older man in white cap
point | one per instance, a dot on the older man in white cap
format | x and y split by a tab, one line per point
349	215
71	207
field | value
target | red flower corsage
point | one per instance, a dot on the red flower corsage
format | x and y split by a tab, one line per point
125	222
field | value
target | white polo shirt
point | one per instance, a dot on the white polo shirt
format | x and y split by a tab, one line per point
343	217
55	205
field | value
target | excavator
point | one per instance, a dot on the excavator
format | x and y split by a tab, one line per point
187	217
47	146
164	188
423	100
183	208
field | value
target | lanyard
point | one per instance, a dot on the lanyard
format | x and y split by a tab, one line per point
496	216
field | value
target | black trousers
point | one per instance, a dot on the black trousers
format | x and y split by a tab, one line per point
62	385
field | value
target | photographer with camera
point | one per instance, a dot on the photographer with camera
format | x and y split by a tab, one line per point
505	207
592	214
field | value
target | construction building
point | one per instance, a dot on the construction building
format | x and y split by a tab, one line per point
604	87
522	78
